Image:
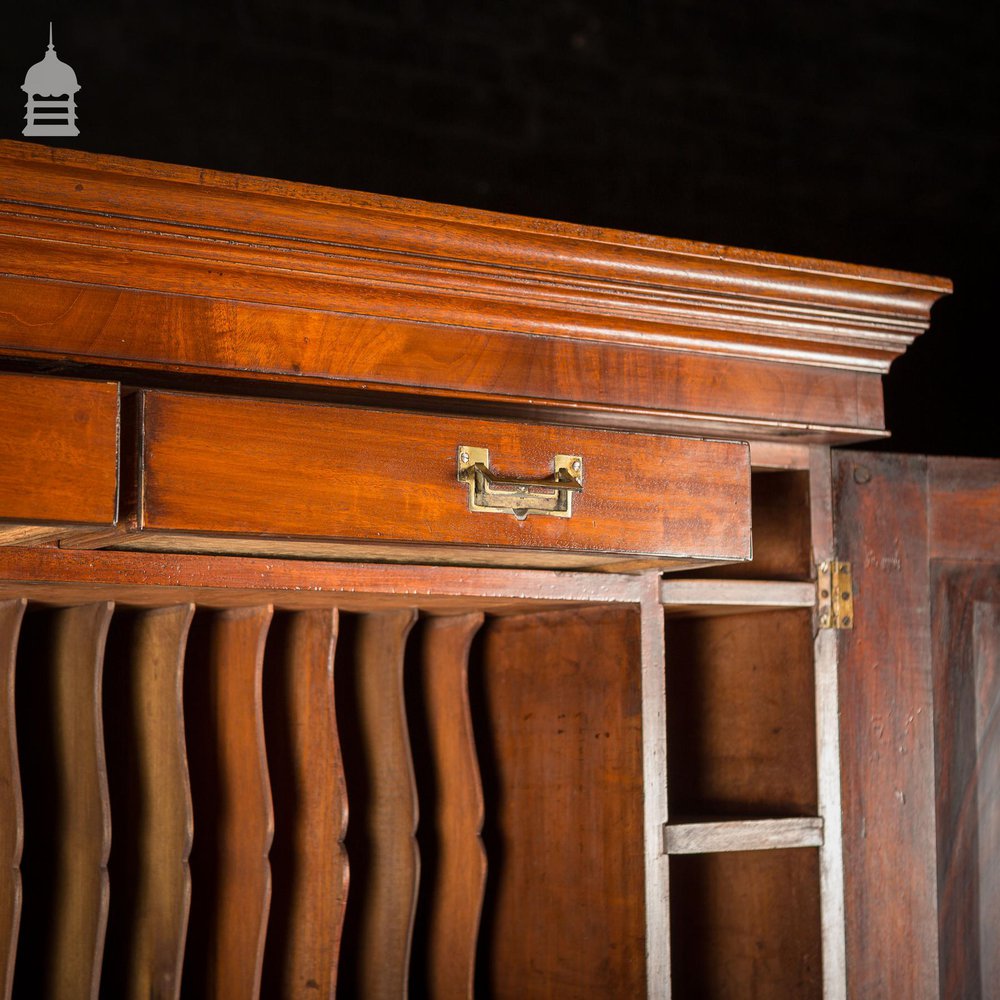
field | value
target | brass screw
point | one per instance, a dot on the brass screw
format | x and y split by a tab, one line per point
847	619
464	457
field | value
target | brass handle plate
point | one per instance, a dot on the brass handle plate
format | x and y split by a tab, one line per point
492	493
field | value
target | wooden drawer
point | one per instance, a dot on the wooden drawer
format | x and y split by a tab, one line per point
277	477
58	456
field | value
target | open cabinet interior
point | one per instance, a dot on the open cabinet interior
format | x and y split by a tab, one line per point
385	800
235	795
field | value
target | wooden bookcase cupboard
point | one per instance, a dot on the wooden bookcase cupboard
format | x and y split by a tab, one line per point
378	613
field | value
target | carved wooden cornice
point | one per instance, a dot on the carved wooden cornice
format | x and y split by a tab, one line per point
172	268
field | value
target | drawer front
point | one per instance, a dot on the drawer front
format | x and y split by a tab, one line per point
218	466
58	455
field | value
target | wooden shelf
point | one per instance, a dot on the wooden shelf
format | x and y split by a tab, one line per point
700	598
742	835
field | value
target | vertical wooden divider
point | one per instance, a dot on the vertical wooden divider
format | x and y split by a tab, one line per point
233	817
654	780
452	821
11	814
151	802
308	858
66	807
381	845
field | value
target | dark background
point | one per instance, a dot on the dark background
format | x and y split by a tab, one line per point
858	131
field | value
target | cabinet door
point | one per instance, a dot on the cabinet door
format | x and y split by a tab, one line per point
920	723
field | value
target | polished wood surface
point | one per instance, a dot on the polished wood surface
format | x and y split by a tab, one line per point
381	788
67	821
887	728
566	877
150	802
216	465
290	282
141	578
233	816
453	861
308	859
58	453
11	813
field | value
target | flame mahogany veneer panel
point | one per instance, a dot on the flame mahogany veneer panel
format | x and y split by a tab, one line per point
58	451
214	465
129	263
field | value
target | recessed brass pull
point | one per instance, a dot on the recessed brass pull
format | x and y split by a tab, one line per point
489	492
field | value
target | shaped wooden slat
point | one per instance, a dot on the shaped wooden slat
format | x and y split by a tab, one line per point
308	858
453	859
11	815
233	818
151	803
385	863
67	813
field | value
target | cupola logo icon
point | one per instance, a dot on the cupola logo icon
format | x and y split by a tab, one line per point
51	87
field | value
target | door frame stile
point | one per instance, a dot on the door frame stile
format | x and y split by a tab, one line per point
831	852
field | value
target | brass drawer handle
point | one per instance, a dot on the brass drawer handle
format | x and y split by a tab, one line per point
489	492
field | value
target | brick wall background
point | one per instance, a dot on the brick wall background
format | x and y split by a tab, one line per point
861	131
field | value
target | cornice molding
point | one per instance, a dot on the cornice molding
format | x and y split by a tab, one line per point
71	216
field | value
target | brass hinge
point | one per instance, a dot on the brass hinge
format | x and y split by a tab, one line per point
835	595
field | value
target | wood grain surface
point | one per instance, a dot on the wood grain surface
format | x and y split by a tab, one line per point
263	468
740	715
58	451
562	762
132	264
147	578
887	728
452	858
746	925
742	835
11	813
965	641
150	803
381	790
233	818
67	820
308	859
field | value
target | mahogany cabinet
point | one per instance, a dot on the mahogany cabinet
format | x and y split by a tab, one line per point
398	599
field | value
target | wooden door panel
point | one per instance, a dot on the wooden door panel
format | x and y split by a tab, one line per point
920	700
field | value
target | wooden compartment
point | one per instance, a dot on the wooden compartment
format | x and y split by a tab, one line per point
58	457
741	715
780	513
746	925
250	475
491	769
561	753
